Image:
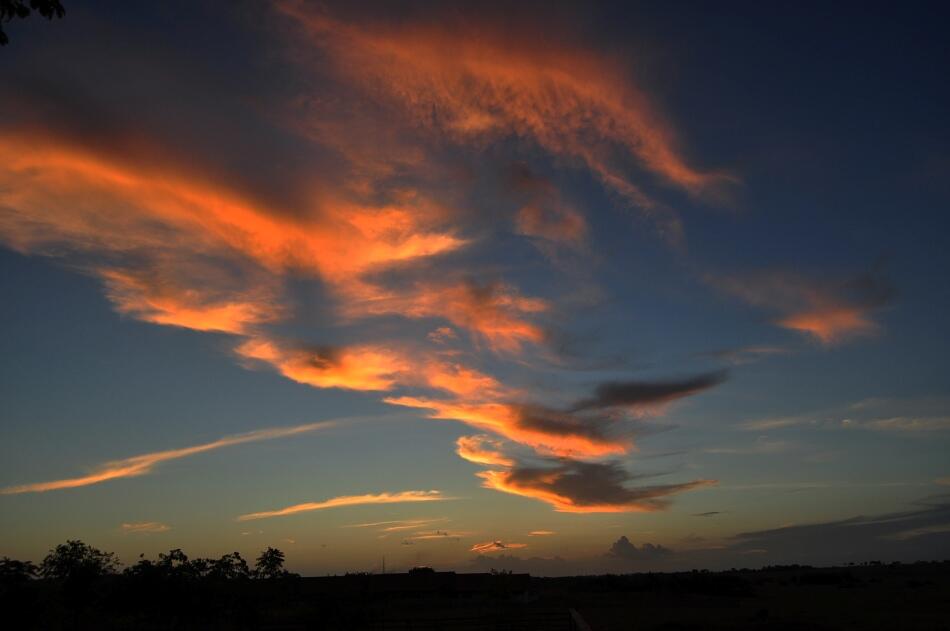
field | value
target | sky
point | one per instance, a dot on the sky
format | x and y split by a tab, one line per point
561	289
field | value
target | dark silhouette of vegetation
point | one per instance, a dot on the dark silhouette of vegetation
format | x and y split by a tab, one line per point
10	9
13	571
270	564
77	561
77	586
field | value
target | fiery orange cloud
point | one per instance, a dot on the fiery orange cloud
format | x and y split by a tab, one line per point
482	449
60	197
495	313
366	368
353	368
460	380
574	489
141	465
541	533
138	295
510	421
350	500
475	83
495	546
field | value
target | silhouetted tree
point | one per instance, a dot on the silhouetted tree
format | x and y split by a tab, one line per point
76	560
230	566
10	9
13	571
270	564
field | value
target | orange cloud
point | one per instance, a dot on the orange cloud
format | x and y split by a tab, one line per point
350	500
558	224
564	436
353	368
398	524
62	198
148	298
832	324
496	313
495	546
830	311
482	449
141	465
545	217
461	380
474	83
541	533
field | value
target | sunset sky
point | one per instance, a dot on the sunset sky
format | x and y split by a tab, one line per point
573	289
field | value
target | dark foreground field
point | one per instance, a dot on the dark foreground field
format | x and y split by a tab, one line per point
892	597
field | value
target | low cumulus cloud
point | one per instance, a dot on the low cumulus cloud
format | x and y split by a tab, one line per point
623	549
922	532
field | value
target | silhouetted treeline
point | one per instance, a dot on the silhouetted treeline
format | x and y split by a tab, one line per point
77	586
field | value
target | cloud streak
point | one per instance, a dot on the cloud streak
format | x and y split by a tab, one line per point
144	527
349	500
145	463
638	393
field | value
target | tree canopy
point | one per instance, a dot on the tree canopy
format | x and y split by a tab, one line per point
20	9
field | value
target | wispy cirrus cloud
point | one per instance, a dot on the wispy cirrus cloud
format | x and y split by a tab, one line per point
909	424
145	463
395	525
144	527
350	500
475	85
